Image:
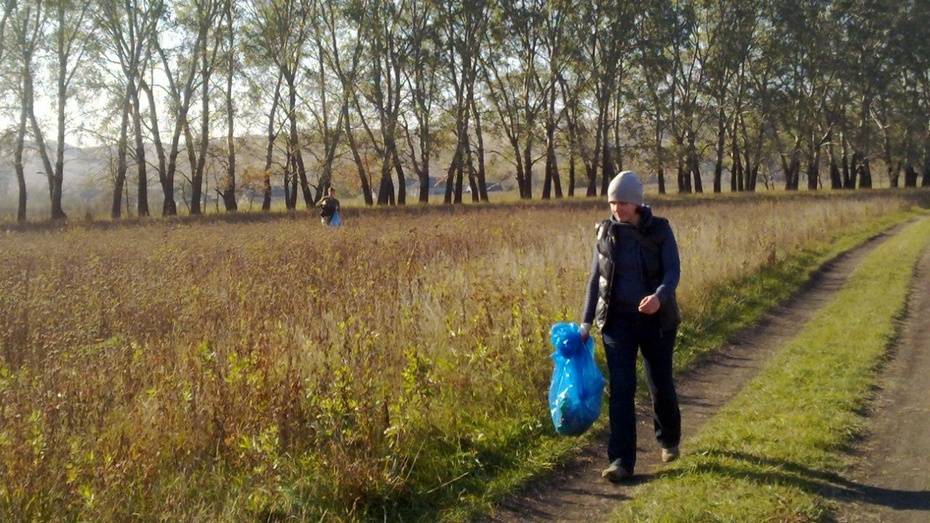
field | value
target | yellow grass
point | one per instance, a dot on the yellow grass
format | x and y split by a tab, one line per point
221	370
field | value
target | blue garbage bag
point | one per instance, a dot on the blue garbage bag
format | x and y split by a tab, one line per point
336	220
577	384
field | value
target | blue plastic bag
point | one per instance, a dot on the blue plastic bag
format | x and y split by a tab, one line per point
336	220
577	384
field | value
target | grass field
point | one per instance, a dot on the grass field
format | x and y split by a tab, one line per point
218	371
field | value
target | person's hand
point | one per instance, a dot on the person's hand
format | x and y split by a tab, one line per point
650	304
584	332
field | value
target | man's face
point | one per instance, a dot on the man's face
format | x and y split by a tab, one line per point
623	211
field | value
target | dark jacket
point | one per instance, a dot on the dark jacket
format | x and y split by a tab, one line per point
630	263
328	206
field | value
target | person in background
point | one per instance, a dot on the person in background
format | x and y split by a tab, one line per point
631	299
329	207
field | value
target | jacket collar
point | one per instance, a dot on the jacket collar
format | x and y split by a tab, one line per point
645	217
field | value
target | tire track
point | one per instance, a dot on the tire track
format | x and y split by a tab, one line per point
891	479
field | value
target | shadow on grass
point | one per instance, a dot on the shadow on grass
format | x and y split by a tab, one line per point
819	482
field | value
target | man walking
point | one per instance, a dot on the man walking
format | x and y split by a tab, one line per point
329	209
631	298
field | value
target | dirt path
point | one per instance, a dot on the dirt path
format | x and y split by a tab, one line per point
891	480
576	491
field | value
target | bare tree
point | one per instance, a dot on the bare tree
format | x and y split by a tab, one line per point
229	185
130	27
208	63
512	74
557	22
181	71
27	24
66	21
378	25
464	27
423	83
331	108
330	49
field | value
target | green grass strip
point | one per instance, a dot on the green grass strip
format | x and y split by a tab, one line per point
773	451
733	307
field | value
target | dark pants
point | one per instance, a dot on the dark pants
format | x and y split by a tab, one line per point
623	335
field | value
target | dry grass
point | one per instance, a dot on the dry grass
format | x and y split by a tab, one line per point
238	371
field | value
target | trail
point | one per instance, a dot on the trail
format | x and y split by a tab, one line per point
576	491
891	479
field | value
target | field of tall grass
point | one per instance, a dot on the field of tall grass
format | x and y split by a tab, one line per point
218	371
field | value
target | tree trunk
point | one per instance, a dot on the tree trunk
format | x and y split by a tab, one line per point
684	177
571	172
813	163
849	181
470	167
910	175
552	167
836	177
116	209
191	148
607	163
18	165
399	170
813	172
893	179
294	142
57	181
290	181
422	168
450	173
786	167
197	174
269	149
659	156
695	162
464	95
168	206
359	164
142	194
330	144
479	137
386	185
50	174
865	173
229	189
736	172
459	173
423	175
753	177
720	149
696	172
528	170
596	159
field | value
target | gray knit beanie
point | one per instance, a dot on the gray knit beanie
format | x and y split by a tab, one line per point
625	187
